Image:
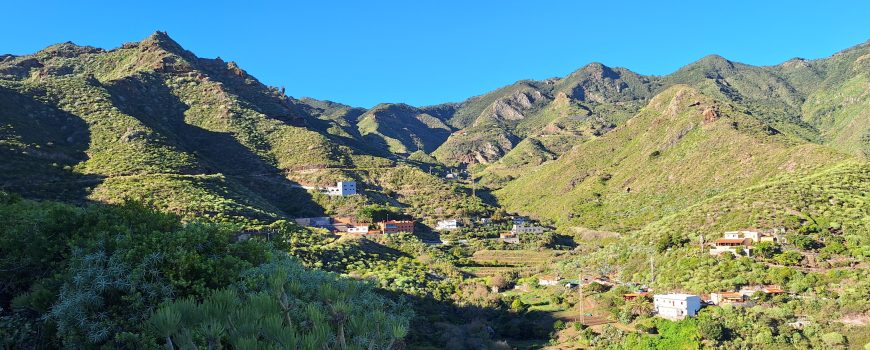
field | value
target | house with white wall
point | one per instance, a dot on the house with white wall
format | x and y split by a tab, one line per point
676	306
519	220
342	188
447	225
548	280
358	228
526	228
735	242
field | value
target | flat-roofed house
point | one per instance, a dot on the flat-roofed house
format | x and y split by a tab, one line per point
519	220
342	188
396	226
526	228
548	280
447	225
676	306
358	228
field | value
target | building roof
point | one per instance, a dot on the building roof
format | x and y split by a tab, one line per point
677	296
548	277
397	221
773	290
730	240
729	295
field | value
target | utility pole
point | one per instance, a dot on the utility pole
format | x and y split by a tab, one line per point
580	288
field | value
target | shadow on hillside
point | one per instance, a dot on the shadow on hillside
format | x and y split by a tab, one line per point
442	324
43	143
147	98
275	105
487	197
446	325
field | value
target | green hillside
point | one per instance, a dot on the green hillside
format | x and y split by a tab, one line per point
836	197
402	129
200	137
816	100
682	148
147	197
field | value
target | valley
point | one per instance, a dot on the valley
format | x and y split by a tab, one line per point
149	192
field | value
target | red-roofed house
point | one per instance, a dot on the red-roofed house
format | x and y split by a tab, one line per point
727	298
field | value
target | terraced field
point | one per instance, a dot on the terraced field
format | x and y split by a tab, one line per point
525	262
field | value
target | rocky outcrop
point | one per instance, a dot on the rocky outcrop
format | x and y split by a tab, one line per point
711	114
512	107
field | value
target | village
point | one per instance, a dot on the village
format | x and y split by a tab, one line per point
520	225
670	305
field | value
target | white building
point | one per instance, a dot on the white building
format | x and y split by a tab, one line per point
548	280
519	220
752	235
741	241
358	228
342	188
676	306
446	225
523	229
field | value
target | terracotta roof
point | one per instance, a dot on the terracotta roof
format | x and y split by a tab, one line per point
731	240
730	295
773	290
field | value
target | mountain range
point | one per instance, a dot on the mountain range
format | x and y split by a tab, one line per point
602	148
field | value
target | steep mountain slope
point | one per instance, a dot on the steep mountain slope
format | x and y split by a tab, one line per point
776	95
839	107
836	197
151	121
683	147
402	129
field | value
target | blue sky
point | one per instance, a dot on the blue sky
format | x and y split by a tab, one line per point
426	52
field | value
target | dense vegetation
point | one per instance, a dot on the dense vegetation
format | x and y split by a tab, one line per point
168	184
126	276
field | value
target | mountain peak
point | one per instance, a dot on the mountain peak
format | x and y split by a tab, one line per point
710	64
68	49
162	40
598	70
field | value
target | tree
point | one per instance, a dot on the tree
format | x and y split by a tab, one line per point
766	249
834	340
517	305
376	213
803	242
789	258
712	329
670	240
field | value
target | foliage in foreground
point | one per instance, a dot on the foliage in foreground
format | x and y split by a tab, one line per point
125	276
